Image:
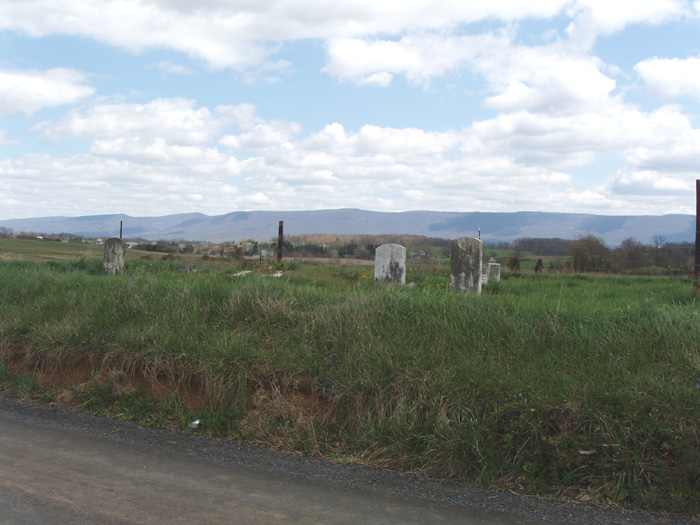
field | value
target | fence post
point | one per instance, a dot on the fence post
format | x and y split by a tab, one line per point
280	242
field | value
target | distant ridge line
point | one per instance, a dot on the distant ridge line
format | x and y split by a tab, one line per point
262	225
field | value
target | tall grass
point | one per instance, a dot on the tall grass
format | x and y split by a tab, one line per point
548	384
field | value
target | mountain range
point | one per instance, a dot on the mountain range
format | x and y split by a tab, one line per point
263	225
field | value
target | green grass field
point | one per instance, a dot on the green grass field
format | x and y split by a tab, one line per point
572	386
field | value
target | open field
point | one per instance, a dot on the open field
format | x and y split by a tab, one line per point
583	387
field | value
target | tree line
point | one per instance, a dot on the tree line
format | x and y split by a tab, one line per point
590	253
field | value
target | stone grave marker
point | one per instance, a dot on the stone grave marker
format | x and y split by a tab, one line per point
113	262
466	268
494	271
390	264
491	271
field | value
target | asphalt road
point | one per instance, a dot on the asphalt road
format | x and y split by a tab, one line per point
59	466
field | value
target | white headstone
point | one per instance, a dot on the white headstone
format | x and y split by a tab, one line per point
390	264
494	271
466	267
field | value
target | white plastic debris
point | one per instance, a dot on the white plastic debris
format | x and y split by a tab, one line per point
194	424
240	274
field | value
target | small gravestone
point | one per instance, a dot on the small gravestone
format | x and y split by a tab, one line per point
113	262
466	267
494	271
390	264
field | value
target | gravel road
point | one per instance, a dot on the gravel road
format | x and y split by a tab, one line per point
60	466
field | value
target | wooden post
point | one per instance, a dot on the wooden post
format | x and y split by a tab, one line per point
280	243
696	279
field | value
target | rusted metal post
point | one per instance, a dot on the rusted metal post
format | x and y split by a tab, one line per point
696	279
280	242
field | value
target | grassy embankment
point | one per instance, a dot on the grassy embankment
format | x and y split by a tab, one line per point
570	386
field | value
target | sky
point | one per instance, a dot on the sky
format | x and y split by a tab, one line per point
157	107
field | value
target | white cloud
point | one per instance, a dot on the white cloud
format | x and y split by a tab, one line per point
175	121
552	78
245	34
262	135
31	90
661	140
86	184
171	68
609	16
671	78
650	183
545	79
419	57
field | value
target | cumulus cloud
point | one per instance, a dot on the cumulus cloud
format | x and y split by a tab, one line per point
245	34
78	186
551	78
671	78
30	90
546	79
649	183
610	16
418	57
178	118
262	135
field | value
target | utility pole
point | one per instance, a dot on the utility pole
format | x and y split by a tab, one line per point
696	279
280	242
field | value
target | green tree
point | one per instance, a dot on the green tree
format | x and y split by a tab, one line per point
589	253
580	256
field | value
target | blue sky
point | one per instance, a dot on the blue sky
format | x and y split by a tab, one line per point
154	107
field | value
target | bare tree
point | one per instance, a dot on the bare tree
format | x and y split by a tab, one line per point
659	254
634	253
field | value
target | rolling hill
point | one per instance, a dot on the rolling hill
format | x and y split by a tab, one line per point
263	225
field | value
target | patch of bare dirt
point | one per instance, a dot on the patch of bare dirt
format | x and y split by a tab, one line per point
81	374
293	399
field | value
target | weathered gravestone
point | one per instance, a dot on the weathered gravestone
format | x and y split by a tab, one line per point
466	256
113	262
494	272
390	264
490	271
